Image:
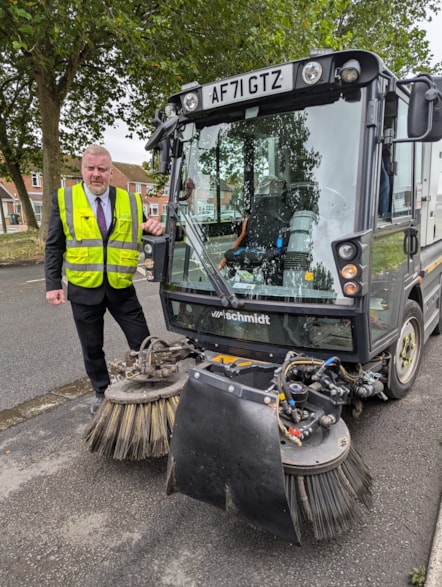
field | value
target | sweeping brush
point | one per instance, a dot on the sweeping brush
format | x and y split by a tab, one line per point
325	478
137	415
135	420
329	500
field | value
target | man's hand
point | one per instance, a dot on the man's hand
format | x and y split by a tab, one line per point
152	226
55	297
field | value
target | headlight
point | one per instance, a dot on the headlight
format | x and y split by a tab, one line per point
350	71
351	257
311	72
170	110
190	102
347	251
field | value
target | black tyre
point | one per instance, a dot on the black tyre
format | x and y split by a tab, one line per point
406	352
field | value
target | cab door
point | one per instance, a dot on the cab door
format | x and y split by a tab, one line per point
395	250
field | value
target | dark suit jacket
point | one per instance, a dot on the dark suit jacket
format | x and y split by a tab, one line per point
54	256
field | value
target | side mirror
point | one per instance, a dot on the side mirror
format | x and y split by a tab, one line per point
425	109
163	131
164	157
159	142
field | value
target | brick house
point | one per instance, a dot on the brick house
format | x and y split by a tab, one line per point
124	175
134	178
10	204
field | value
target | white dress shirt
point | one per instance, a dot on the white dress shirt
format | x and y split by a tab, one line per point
105	202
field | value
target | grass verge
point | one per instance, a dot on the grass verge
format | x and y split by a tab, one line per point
21	247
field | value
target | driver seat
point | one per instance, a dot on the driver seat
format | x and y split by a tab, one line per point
265	231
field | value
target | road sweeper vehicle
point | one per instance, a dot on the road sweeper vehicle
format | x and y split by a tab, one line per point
302	265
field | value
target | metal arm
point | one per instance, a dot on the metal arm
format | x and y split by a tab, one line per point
196	239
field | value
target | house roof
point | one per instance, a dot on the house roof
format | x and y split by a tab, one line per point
5	194
133	172
71	167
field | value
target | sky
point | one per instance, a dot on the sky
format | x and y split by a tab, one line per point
125	150
434	30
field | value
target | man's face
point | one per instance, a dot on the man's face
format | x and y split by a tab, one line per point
96	171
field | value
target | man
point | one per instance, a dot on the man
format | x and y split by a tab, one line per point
96	230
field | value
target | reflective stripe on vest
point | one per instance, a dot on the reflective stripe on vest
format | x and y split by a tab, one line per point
84	243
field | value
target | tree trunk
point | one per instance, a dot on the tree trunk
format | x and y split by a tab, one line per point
2	214
28	211
50	119
13	163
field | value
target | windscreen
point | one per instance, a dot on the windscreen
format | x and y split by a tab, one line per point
262	200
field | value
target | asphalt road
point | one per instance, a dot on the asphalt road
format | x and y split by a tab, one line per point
71	518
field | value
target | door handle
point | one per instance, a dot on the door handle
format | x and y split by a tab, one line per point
411	242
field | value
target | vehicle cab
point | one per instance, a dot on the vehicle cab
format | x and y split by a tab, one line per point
320	165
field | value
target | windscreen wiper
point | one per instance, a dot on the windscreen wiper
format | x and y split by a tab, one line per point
196	239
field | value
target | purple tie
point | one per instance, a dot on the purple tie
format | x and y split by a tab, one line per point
101	218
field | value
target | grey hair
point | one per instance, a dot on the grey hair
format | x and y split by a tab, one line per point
96	150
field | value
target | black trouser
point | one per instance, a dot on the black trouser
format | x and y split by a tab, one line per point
89	321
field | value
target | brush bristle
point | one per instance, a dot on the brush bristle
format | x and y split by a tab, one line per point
359	477
329	500
132	431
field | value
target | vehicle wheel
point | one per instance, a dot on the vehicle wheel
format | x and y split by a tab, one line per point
406	352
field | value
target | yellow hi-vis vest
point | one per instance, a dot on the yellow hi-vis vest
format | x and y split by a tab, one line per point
85	254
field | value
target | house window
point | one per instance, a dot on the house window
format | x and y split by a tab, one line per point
154	210
164	209
38	210
138	187
36	179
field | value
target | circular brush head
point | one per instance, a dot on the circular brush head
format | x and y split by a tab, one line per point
135	420
325	481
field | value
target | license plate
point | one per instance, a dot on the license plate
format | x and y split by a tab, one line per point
254	85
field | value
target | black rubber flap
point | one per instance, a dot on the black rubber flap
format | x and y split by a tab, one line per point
225	451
